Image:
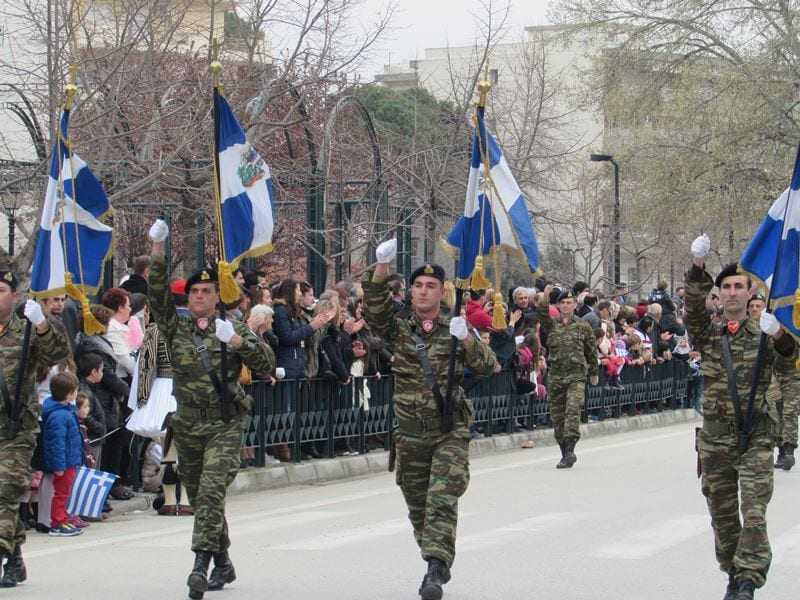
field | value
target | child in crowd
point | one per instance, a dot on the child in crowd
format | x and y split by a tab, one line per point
63	449
84	406
608	359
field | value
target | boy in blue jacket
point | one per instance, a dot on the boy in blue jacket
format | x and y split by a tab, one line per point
63	448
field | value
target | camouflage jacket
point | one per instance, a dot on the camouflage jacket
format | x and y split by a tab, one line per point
45	351
191	383
413	399
707	338
572	352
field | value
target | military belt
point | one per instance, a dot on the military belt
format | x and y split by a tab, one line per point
208	413
720	427
421	425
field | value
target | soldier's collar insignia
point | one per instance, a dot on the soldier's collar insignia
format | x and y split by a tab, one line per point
427	325
428	270
733	327
204	276
202	323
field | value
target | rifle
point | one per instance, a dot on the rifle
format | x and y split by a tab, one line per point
448	418
15	410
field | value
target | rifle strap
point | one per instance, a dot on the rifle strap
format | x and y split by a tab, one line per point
202	352
745	428
5	396
427	370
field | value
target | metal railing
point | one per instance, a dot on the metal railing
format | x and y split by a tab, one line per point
322	417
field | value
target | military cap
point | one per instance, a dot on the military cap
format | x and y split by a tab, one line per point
729	271
565	295
430	271
9	279
207	275
756	296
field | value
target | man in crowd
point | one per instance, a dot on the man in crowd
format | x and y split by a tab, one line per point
432	464
211	404
733	464
19	414
137	282
572	358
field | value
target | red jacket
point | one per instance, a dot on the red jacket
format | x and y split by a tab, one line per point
477	316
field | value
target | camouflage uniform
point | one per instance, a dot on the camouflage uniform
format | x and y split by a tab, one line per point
572	357
432	468
15	453
207	440
742	548
785	392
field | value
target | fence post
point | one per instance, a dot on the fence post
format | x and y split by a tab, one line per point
329	442
260	396
296	429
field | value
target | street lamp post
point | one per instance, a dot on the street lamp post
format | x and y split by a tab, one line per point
615	219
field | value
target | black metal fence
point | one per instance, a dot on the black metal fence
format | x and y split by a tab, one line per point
329	417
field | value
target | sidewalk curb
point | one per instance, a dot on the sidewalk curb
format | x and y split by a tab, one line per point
334	469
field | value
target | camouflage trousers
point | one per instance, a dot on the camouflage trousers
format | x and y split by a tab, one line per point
740	540
209	460
433	473
787	425
15	479
566	403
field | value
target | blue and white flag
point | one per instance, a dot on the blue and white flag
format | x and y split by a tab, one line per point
773	255
89	492
72	237
246	192
498	215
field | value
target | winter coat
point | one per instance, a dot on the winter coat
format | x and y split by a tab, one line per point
291	334
61	436
96	420
111	391
335	354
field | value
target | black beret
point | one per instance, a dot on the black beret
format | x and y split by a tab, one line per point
565	295
729	271
757	296
206	275
9	279
429	271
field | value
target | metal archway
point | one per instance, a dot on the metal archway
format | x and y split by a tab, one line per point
374	194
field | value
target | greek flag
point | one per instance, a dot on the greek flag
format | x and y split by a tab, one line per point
773	255
72	238
495	211
89	492
245	184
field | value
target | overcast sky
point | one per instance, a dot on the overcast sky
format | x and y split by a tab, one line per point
420	24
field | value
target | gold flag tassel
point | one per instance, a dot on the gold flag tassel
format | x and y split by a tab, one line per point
796	310
478	280
228	288
498	313
91	326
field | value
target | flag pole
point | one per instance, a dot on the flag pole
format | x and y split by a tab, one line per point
216	70
448	418
747	426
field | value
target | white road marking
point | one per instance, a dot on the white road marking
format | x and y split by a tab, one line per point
786	547
501	535
654	540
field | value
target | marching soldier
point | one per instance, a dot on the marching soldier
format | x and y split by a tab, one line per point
19	416
784	391
572	358
210	418
730	467
432	467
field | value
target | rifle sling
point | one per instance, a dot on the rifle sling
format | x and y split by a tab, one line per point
745	429
5	396
202	352
427	371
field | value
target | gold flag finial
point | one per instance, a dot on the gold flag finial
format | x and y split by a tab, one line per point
483	89
72	86
215	66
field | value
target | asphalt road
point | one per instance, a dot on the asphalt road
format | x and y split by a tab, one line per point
628	522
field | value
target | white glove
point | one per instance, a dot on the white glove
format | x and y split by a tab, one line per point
769	324
159	231
224	331
280	373
33	312
701	246
458	328
386	251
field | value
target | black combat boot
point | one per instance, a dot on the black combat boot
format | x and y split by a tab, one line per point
779	462
570	456
14	571
438	574
198	581
730	592
746	590
788	457
562	464
222	572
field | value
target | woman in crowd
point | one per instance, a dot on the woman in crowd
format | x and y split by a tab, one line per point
119	302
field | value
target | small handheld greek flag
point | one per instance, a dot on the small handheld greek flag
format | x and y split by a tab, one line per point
72	238
89	492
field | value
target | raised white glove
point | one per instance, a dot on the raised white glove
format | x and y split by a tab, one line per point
33	312
769	324
386	251
159	231
458	328
701	246
224	331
